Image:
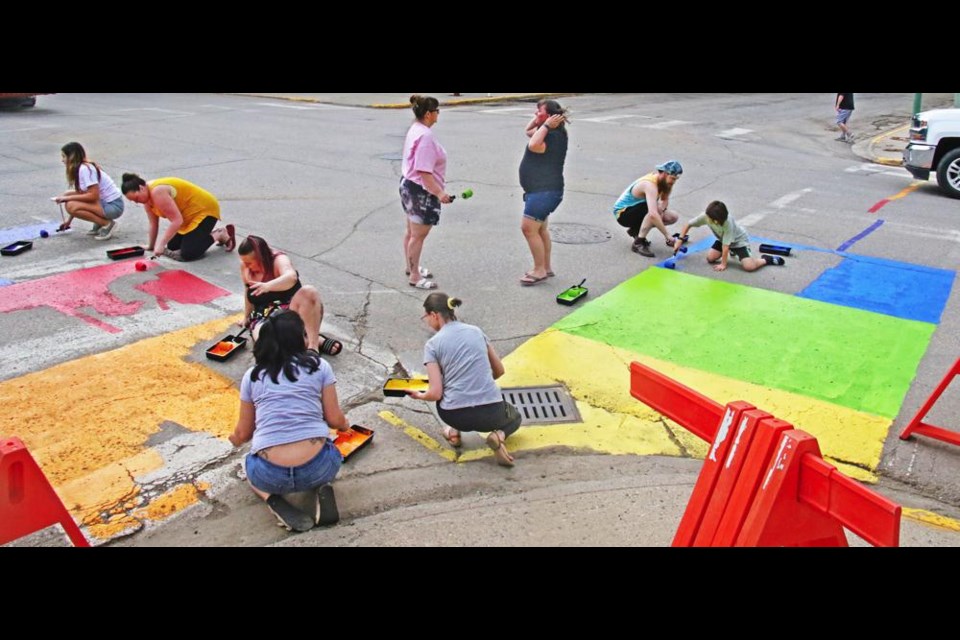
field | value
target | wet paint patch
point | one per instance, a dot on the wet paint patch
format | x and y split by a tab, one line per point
803	346
70	292
598	377
898	289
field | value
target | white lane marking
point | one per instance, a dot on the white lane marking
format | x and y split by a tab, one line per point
778	204
49	125
304	107
879	168
503	110
603	119
662	125
733	133
936	233
159	110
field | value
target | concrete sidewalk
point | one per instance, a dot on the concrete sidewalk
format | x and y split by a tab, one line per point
886	148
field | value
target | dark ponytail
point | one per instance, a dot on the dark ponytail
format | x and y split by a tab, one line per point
443	304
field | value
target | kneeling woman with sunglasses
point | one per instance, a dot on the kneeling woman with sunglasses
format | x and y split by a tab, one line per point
462	366
288	404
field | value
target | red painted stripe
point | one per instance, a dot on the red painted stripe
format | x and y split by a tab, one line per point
878	206
77	292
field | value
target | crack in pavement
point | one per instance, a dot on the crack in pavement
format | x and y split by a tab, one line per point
353	229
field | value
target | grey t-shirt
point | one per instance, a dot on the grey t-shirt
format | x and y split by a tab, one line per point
461	351
728	233
287	411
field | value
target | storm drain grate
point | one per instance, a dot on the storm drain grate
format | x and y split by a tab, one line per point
543	405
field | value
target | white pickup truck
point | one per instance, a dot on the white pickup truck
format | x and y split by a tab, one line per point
935	146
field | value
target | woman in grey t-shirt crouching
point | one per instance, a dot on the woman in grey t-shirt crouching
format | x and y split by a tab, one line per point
462	366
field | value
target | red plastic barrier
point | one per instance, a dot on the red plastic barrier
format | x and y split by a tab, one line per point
763	483
919	427
694	411
704	490
27	501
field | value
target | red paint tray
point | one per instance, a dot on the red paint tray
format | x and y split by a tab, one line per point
126	252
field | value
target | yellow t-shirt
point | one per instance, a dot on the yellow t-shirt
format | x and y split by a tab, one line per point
195	203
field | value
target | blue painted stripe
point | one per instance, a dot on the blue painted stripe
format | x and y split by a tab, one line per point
860	236
4	282
908	291
26	232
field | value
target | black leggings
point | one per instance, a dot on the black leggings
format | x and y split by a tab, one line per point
498	416
194	244
632	218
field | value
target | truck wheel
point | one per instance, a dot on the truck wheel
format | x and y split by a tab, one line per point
948	174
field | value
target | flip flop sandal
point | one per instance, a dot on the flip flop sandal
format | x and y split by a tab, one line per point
288	515
495	442
232	239
326	512
330	346
550	274
423	283
424	272
529	281
454	439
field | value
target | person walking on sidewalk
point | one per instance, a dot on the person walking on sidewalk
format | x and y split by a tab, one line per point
422	187
541	176
191	210
288	404
94	197
731	238
644	205
462	366
844	107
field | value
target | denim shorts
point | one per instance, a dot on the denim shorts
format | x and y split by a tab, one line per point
843	115
113	209
421	206
540	204
278	480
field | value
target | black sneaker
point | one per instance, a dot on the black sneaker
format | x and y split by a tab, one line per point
642	246
325	509
775	260
288	515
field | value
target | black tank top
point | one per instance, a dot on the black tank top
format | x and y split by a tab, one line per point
264	300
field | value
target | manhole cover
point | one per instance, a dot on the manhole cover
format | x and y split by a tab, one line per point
543	405
575	233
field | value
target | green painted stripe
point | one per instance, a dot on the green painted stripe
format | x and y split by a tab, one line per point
846	356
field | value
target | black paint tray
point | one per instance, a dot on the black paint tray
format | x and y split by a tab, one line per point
17	247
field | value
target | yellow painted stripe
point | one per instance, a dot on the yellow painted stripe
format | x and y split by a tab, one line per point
931	518
418	435
86	422
598	376
906	190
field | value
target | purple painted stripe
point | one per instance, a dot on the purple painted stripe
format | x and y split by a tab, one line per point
860	236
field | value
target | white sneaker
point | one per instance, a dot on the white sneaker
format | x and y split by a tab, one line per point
107	232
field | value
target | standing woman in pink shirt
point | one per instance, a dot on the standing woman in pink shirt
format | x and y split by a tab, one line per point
422	186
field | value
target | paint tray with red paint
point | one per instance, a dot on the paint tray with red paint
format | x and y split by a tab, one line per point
352	440
126	252
226	348
16	248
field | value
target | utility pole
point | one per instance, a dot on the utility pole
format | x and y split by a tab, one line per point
917	99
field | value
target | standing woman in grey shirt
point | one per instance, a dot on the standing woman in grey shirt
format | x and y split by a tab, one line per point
462	366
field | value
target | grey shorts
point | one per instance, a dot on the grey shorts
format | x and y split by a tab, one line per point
113	209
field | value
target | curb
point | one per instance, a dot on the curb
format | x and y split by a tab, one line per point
406	105
868	150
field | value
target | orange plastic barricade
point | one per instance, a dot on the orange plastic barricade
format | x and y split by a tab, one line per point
919	427
694	411
763	483
27	501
